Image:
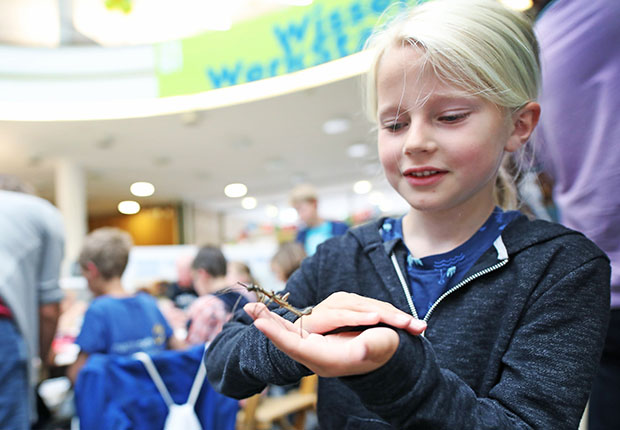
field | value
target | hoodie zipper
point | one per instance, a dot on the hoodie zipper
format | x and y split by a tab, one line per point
470	278
463	282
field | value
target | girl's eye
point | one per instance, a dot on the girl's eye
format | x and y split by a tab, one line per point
394	126
453	118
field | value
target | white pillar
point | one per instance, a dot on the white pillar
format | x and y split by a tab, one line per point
71	200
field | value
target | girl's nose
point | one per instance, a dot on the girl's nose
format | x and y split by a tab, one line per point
419	139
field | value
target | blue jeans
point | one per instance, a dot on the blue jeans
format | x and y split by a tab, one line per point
14	401
604	409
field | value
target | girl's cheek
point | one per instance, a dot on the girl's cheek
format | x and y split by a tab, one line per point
388	155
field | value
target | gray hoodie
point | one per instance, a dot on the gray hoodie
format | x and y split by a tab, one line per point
515	345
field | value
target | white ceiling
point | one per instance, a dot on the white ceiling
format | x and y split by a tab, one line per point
270	145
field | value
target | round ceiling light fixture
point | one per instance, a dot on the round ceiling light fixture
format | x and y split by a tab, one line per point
235	190
128	207
358	150
142	189
248	203
271	211
362	187
520	5
336	126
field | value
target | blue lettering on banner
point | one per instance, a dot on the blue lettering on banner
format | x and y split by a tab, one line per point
357	13
337	25
319	47
296	32
226	77
287	37
273	67
255	72
302	47
378	6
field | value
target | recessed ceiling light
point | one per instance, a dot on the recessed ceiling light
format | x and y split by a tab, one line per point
248	203
357	150
142	189
129	207
235	190
336	126
288	216
520	5
362	187
271	211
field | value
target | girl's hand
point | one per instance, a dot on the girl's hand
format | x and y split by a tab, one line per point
341	354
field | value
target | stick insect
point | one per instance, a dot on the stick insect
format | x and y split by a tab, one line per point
268	296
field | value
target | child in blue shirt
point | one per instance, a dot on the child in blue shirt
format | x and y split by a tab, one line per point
515	311
116	322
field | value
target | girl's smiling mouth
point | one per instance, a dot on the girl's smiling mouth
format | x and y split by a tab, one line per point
424	175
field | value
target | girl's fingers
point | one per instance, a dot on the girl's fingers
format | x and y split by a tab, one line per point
260	312
343	310
352	309
254	309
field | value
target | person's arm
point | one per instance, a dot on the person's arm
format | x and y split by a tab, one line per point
90	340
241	361
545	373
349	352
176	343
48	288
48	321
74	369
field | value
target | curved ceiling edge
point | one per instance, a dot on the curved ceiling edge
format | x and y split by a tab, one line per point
143	105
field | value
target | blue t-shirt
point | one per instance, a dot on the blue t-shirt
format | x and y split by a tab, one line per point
317	235
431	276
312	237
123	326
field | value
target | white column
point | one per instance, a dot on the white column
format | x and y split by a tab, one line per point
71	200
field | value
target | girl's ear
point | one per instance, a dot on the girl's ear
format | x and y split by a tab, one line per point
523	123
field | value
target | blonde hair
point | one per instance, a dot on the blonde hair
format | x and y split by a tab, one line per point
479	46
303	193
108	249
288	258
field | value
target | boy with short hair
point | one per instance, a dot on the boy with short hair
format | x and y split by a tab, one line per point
116	322
304	198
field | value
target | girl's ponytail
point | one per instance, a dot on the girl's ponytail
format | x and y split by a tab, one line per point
506	193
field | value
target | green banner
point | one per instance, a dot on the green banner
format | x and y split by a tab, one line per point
287	41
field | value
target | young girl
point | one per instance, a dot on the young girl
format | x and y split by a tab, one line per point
459	315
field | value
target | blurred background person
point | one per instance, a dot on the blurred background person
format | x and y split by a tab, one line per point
216	301
179	295
182	291
238	271
287	259
579	147
31	251
116	321
314	230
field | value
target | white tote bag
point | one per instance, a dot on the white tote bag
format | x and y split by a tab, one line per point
180	417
